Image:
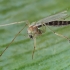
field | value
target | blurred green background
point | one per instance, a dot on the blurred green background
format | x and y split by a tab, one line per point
52	52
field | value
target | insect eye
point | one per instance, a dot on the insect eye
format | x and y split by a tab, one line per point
31	36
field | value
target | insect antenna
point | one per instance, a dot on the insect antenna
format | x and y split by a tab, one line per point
12	40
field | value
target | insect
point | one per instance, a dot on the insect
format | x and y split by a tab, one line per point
34	28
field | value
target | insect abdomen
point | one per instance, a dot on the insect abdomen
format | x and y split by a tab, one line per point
55	23
58	23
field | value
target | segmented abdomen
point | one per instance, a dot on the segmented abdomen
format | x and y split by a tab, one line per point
56	23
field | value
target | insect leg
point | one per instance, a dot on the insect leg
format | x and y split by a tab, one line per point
12	23
34	46
59	34
12	41
27	22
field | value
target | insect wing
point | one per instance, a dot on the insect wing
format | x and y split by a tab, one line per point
52	18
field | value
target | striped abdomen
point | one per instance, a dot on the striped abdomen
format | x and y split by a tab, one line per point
56	23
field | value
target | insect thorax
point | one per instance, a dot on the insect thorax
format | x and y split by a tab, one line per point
34	31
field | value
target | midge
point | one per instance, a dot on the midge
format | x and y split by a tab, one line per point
34	29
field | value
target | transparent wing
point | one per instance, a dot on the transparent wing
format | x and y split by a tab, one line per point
55	17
